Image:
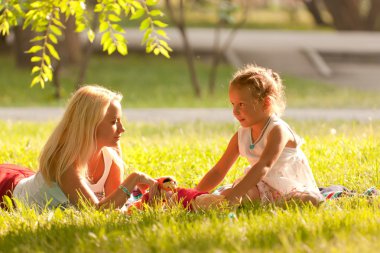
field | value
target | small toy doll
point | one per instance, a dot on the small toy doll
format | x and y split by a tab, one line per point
171	194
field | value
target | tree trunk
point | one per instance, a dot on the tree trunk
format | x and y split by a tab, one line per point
87	55
190	63
373	15
345	14
3	44
71	46
180	24
215	60
312	7
219	45
57	80
22	44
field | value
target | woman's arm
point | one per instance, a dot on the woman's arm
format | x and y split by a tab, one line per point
277	140
114	179
74	186
118	197
219	171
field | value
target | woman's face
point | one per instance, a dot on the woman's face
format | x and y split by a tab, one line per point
110	128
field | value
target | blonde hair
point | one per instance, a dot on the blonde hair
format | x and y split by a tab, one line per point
73	141
262	83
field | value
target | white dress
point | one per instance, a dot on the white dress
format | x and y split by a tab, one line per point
291	172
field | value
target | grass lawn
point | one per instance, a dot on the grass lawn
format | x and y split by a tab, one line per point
148	81
348	156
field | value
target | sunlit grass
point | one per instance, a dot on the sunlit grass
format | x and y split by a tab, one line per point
346	153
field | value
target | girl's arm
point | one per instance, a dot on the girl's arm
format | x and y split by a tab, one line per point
219	171
74	186
277	140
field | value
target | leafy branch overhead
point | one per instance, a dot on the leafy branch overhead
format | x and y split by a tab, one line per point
45	17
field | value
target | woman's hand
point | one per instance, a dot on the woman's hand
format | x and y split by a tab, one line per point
154	192
144	181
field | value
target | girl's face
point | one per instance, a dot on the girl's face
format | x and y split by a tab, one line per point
247	110
110	128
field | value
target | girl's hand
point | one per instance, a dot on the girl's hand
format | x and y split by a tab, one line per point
232	200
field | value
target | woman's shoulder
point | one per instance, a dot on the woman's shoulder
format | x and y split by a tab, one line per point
113	154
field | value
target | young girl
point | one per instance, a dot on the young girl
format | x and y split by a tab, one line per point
80	160
278	168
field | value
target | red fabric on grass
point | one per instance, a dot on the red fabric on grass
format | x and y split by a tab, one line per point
10	175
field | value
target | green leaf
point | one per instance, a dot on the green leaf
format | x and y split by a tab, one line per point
91	35
162	33
37	38
103	26
151	2
58	23
52	51
156	51
114	18
145	24
42	83
47	60
53	38
155	13
116	8
4	28
35	69
36	4
117	28
122	48
137	14
165	44
147	34
106	36
137	5
164	52
98	8
34	49
35	81
80	27
47	73
119	37
55	30
159	23
111	49
35	59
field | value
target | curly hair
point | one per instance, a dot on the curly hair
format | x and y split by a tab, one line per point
262	83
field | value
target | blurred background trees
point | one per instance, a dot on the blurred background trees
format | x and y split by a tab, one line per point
74	46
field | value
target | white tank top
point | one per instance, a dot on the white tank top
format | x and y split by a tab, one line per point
98	187
291	171
34	189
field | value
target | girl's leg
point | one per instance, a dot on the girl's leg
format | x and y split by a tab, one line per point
305	197
253	194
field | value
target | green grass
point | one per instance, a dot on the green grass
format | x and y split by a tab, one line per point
148	81
350	157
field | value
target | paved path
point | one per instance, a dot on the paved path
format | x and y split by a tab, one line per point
343	58
178	115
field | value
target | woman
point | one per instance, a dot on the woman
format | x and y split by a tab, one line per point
80	160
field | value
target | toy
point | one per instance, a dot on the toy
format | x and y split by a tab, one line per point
171	194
